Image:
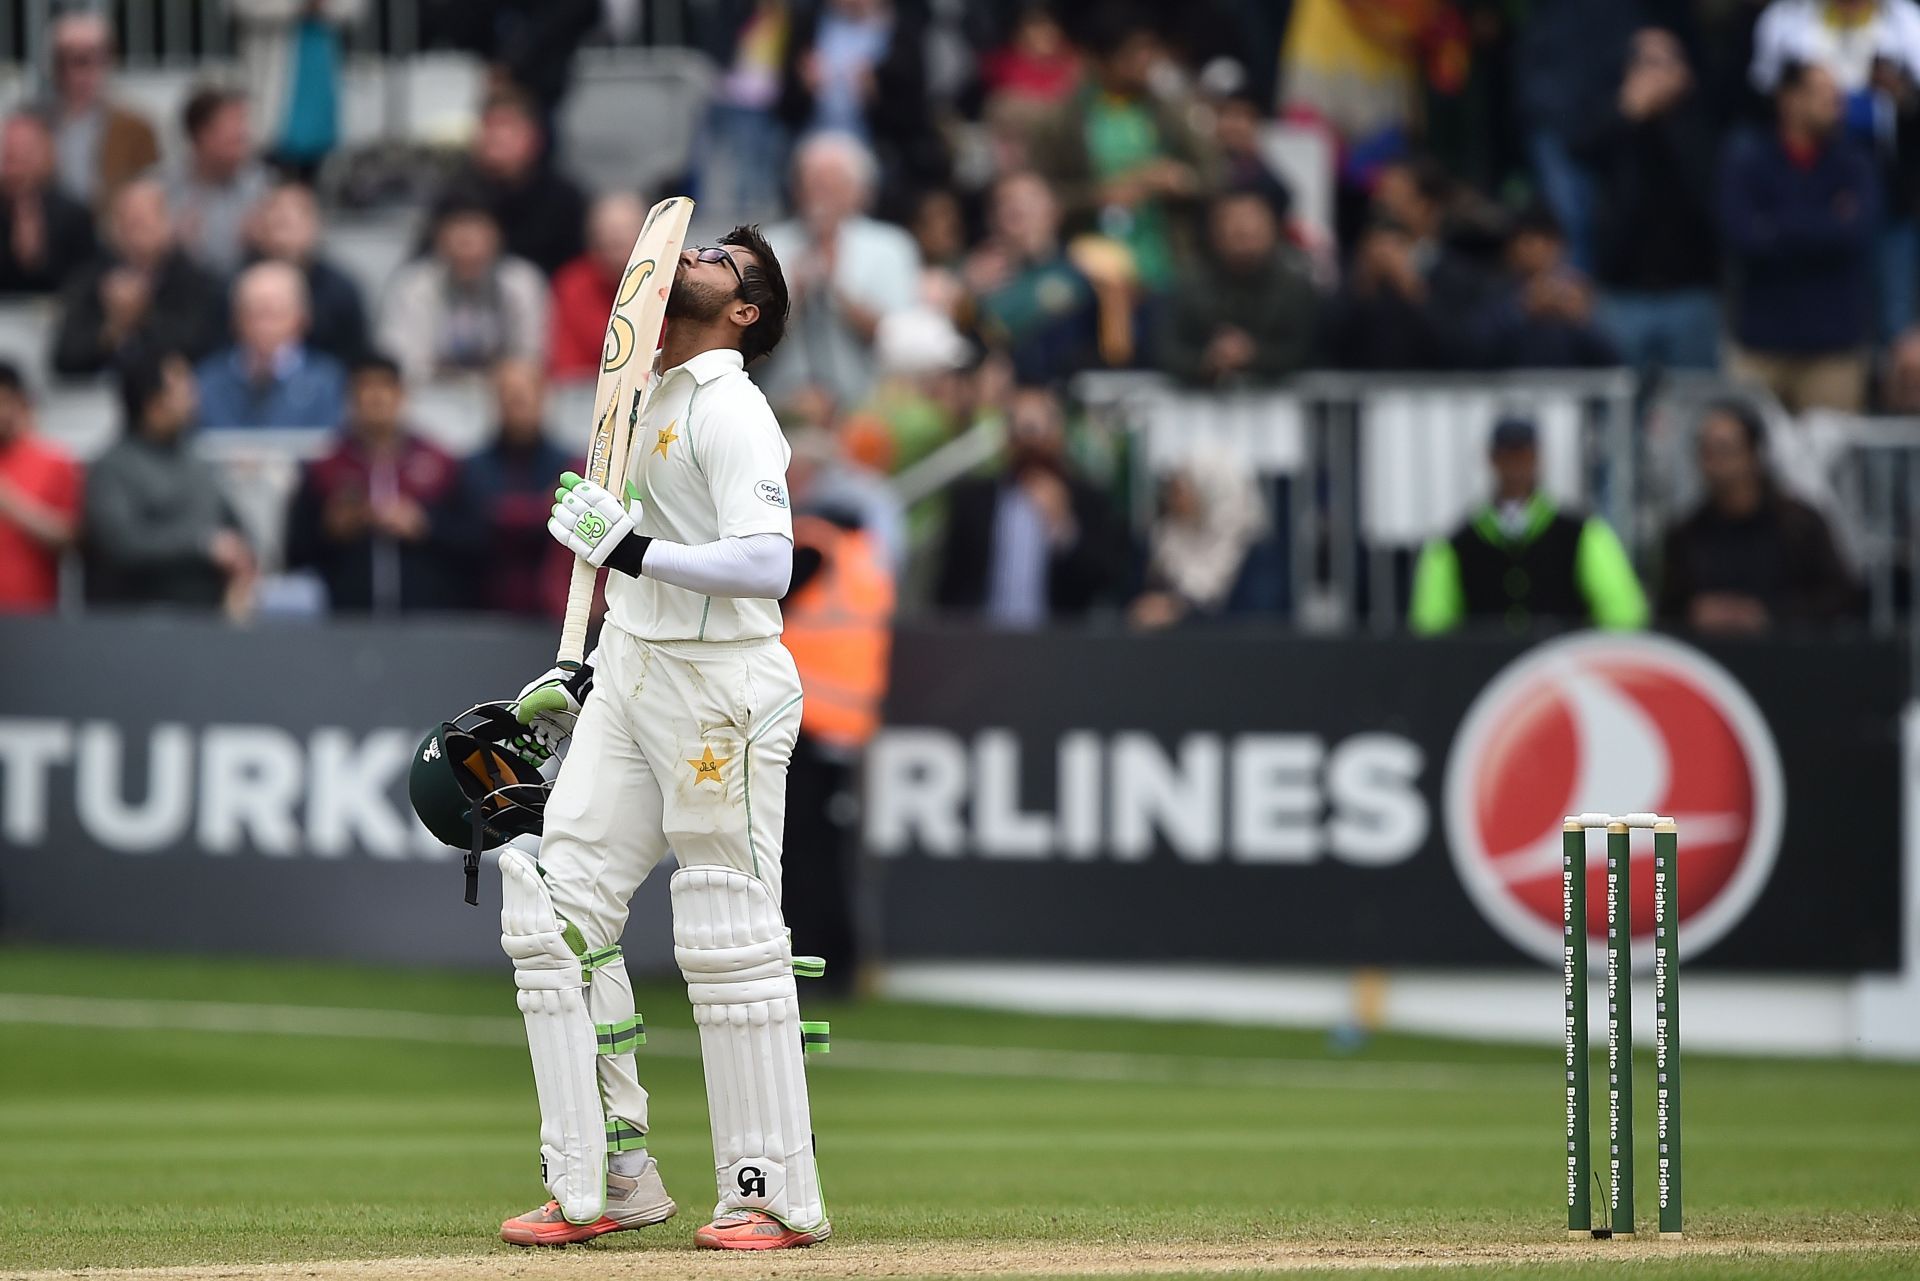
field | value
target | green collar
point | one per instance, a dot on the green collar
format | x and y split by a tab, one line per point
1540	514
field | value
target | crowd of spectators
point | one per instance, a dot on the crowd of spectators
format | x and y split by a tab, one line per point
974	203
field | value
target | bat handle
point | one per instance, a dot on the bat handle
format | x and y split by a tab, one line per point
573	635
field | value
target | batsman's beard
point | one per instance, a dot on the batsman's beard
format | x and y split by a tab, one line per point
693	301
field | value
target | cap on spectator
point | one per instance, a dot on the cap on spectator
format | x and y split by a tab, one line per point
919	341
1513	431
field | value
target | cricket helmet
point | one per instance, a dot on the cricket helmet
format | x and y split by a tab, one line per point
476	783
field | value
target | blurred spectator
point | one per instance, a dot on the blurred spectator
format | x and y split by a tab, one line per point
1029	299
1750	555
1872	47
1655	257
1249	314
45	234
1799	208
1211	515
740	164
466	305
1383	318
1356	67
1546	321
858	67
270	377
1122	158
921	398
541	213
99	145
508	489
159	531
838	620
583	290
528	44
1237	121
216	187
1035	543
291	53
1424	199
379	517
286	228
1900	387
39	503
939	228
142	296
846	271
1038	66
1520	560
1567	60
826	481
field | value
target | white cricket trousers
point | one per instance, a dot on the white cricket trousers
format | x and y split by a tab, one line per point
682	746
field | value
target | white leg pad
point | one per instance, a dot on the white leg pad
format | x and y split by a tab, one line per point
560	1035
731	944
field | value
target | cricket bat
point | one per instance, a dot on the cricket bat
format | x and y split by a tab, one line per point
626	381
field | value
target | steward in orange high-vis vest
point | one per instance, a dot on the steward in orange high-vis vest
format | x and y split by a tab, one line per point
838	620
837	624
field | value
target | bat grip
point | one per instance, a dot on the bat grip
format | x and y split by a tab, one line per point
573	634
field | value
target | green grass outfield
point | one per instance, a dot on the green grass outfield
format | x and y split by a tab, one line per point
177	1112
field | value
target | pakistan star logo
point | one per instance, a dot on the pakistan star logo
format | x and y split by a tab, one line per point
706	766
667	437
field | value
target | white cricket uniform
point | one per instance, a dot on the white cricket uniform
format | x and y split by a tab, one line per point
684	740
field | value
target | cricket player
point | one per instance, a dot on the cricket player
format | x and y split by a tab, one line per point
679	741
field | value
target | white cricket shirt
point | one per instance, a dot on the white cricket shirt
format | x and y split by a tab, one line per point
708	462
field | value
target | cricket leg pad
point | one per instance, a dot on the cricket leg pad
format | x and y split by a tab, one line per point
561	1038
732	948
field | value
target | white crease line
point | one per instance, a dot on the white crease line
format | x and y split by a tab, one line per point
1113	1067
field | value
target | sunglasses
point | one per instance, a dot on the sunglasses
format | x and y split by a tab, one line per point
718	254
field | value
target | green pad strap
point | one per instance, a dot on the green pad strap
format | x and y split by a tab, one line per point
809	967
622	1137
621	1038
591	961
813	1038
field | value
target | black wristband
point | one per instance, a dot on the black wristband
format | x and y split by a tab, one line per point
629	554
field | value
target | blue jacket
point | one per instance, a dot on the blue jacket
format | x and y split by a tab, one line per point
1801	241
309	390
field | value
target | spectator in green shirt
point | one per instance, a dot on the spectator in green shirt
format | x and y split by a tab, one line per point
1126	161
1520	561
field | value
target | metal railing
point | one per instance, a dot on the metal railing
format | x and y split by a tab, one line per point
173	34
1362	469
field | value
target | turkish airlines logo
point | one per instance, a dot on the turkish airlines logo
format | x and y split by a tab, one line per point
1616	724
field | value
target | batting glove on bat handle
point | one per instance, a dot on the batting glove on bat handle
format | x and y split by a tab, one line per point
588	521
549	705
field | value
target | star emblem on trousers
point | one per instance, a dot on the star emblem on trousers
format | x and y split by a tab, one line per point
666	437
706	766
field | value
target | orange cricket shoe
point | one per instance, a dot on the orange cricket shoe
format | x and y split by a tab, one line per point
636	1202
756	1230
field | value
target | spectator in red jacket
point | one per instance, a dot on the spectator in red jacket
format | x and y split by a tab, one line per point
583	289
380	517
1038	64
39	504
